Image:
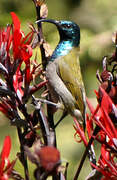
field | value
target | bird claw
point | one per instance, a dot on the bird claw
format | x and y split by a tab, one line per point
39	100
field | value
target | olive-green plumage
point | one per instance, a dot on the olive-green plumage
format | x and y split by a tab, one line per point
70	73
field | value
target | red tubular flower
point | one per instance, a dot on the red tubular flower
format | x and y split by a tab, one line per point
21	43
21	50
13	40
107	136
5	165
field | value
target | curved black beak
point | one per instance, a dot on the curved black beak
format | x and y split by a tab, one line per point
48	20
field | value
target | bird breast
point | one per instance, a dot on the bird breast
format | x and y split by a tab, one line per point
57	88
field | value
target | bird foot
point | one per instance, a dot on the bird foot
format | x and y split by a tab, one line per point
57	105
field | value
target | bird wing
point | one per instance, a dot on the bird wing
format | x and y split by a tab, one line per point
70	73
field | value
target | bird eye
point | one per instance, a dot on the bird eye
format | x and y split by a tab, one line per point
69	26
66	25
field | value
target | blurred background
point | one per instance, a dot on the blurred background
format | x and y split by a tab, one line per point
97	20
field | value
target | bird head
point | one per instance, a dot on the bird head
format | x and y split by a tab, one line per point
68	30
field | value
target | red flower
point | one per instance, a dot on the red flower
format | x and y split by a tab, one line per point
5	165
105	122
5	42
107	164
107	136
21	43
22	51
15	50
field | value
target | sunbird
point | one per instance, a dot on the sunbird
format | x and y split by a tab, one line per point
65	80
63	71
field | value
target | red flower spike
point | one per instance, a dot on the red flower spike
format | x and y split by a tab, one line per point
22	51
49	157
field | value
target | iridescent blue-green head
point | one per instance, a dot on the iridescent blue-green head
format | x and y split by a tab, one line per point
68	30
69	36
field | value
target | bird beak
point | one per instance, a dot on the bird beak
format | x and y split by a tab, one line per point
48	20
